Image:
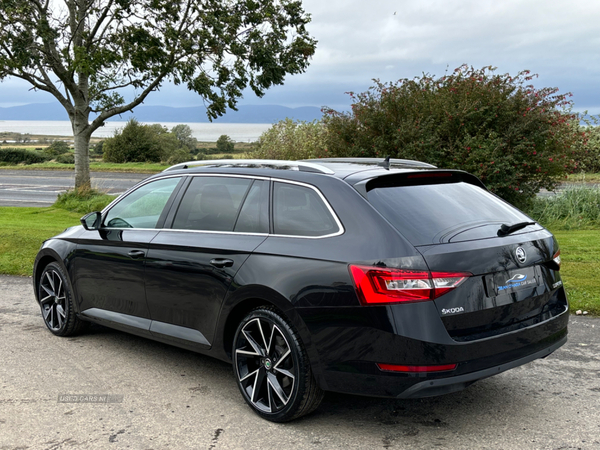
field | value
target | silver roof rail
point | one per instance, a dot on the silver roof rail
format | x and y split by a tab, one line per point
376	162
302	166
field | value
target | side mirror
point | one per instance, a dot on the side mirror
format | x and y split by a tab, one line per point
91	221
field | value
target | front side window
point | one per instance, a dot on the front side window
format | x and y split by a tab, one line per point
142	208
213	204
300	211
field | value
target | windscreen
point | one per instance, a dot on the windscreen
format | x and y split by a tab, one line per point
436	213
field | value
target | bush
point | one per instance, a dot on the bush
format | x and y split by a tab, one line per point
516	138
140	143
67	158
98	149
587	147
20	156
575	207
57	148
179	156
292	140
225	144
83	201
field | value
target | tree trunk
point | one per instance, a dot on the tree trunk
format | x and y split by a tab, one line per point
82	132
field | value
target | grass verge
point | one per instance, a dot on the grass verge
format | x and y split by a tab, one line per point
580	268
22	231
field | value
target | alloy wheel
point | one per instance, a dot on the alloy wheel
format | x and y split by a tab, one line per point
53	300
265	365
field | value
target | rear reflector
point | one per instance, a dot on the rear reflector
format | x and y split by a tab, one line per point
375	285
415	369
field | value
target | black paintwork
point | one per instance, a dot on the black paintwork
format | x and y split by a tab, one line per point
191	289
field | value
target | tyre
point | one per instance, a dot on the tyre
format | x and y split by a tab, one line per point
56	302
272	368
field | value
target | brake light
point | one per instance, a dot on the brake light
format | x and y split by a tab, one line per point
556	259
375	285
415	369
430	175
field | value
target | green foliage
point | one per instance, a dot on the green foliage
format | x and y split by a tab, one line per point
183	133
67	158
587	148
83	201
179	156
292	140
21	156
98	149
225	144
92	55
516	138
57	148
575	207
141	143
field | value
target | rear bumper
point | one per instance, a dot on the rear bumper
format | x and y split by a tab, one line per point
431	388
349	354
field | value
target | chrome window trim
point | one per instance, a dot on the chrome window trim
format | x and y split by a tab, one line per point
340	231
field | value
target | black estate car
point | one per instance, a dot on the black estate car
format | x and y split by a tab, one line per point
376	277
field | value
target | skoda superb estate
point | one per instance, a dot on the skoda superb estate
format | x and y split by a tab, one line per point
384	278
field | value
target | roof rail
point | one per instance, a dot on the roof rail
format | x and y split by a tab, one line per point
376	162
302	166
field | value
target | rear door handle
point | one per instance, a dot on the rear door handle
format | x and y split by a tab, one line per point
137	253
221	262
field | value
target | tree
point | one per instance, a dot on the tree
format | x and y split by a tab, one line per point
288	139
516	138
183	133
225	144
101	58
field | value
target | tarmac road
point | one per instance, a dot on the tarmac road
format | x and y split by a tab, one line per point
171	398
41	187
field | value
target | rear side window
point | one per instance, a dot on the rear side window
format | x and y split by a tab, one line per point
212	203
435	213
300	211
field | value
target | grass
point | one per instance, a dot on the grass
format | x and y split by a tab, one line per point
574	208
580	269
83	201
22	231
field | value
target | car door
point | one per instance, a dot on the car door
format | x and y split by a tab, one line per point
108	265
218	223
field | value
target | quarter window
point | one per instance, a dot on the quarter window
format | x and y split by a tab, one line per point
142	208
300	211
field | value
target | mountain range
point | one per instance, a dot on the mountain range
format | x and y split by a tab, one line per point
143	113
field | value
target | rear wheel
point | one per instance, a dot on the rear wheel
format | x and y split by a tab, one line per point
272	368
56	302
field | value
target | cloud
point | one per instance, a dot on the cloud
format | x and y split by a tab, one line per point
389	40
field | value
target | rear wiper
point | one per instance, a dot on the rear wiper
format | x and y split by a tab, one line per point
507	229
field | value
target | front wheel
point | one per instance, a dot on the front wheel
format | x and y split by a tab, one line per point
272	369
56	302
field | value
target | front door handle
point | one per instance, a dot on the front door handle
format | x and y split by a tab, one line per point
137	253
221	262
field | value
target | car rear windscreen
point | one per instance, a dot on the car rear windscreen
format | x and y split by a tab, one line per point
436	213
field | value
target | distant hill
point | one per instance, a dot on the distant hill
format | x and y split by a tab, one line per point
245	114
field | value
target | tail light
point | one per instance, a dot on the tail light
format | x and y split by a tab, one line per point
375	285
556	259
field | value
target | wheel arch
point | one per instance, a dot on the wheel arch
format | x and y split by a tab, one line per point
248	298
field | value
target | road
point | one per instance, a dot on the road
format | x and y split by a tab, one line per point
172	398
41	187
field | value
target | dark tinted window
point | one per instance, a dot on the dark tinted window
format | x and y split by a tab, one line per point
211	203
254	215
300	211
143	207
434	213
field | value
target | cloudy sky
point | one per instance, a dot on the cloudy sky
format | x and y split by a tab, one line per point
391	39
